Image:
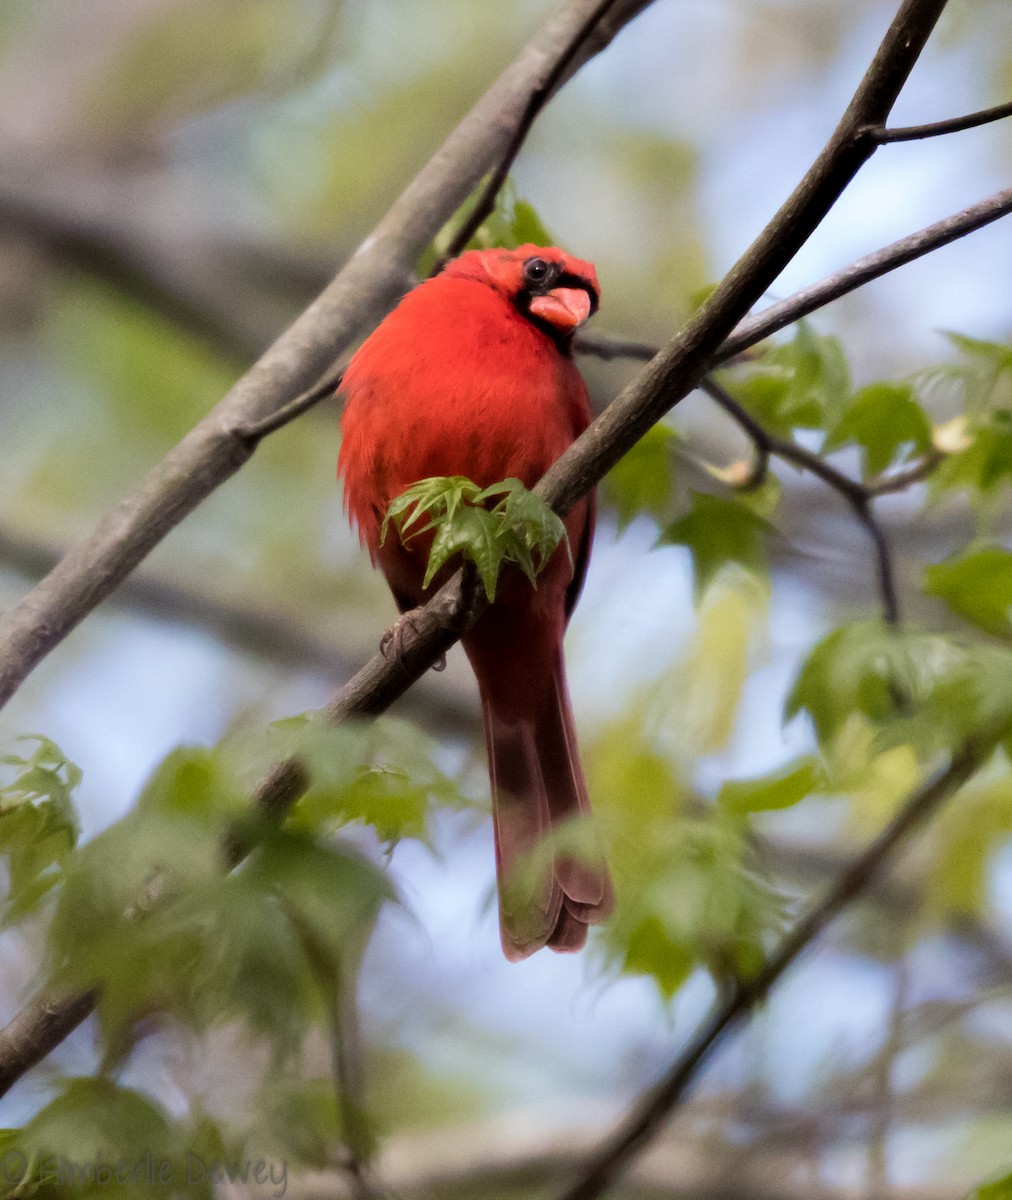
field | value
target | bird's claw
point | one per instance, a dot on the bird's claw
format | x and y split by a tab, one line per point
392	642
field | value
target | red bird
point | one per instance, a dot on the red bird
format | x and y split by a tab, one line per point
472	374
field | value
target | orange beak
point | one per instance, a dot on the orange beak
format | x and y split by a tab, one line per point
565	308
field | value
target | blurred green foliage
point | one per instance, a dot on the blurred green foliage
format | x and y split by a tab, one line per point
38	824
998	1188
151	912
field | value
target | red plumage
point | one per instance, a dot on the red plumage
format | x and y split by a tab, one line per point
472	375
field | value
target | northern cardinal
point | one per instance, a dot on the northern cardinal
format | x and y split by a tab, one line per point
472	374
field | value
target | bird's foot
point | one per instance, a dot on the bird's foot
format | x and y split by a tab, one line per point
392	642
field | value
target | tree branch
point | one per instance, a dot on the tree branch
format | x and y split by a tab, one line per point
539	97
899	481
254	433
649	1115
37	1029
683	362
368	283
756	328
256	630
911	133
856	494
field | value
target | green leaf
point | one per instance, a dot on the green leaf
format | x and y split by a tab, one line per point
718	531
221	950
520	528
470	532
527	227
335	892
47	754
921	689
968	693
522	511
689	890
782	788
144	903
995	354
97	1138
886	422
966	841
799	384
766	392
194	783
977	585
146	914
650	950
300	1119
439	494
865	668
101	933
763	500
382	772
979	384
642	481
513	222
76	1142
38	823
821	376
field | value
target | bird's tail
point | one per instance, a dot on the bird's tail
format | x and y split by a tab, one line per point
550	887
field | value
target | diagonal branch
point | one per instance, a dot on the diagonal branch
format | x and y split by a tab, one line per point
539	97
761	325
368	283
649	1115
857	495
253	629
912	133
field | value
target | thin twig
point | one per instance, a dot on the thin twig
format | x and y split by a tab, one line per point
856	494
541	93
652	1111
336	985
912	133
754	329
254	432
899	481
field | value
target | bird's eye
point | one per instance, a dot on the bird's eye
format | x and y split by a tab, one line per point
536	270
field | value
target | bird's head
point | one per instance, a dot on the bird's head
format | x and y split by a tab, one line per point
555	291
